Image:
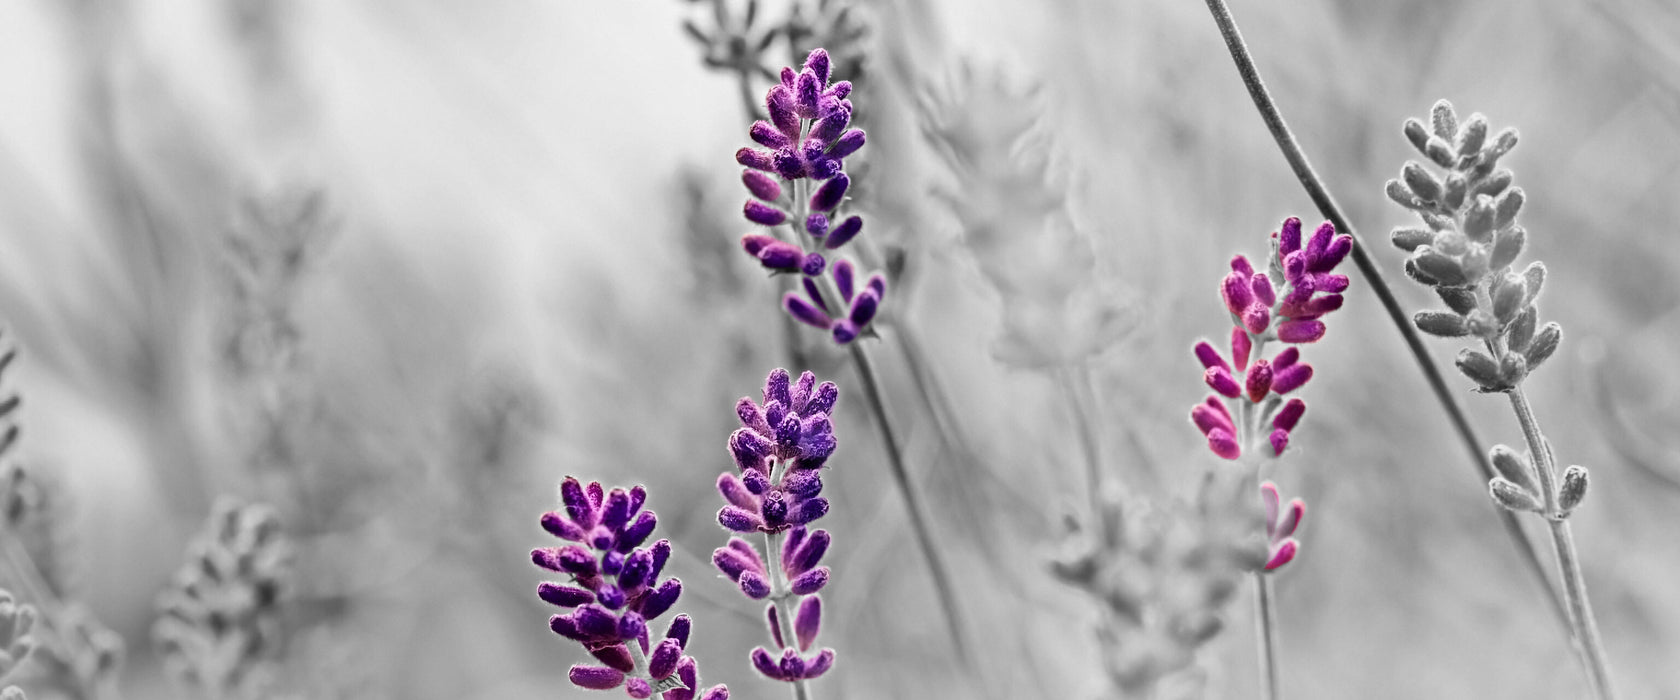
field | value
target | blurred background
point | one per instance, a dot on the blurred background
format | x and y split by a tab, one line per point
393	269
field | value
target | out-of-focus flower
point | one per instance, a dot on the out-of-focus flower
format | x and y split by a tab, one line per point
16	621
1163	572
1010	199
219	626
784	443
614	592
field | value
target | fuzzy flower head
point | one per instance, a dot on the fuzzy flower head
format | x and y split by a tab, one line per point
614	591
1468	246
1287	304
807	138
780	448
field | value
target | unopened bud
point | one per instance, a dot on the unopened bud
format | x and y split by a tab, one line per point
1573	488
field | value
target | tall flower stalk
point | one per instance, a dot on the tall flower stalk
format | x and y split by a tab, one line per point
780	449
796	179
1368	271
1249	414
1467	252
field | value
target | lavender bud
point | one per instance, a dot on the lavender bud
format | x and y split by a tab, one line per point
754	586
1508	295
831	193
739	520
735	492
1443	119
816	225
637	688
1507	207
766	664
1259	380
1439	151
1480	368
1457	188
755	159
578	506
847	144
1421	183
663	661
804	312
1573	488
844	233
1462	301
1416	133
820	665
617	511
1521	334
798	560
768	137
812	265
596	622
807	621
763	214
774	621
635	571
1513	468
1512	497
1300	331
1221	381
662	598
611	597
1291	378
679	629
596	677
1402	195
617	656
631	626
1287	418
779	102
564	596
810	581
1441	323
760	185
561	527
1472	134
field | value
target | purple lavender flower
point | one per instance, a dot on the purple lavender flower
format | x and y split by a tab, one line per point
805	142
614	591
780	449
1286	303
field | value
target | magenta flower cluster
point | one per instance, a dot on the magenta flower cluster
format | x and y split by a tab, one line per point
613	593
783	443
1286	303
805	142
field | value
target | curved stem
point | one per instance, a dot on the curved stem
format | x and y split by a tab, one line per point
1265	635
944	589
1588	644
1368	270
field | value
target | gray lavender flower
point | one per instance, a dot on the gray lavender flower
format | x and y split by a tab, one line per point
614	592
784	442
219	624
16	622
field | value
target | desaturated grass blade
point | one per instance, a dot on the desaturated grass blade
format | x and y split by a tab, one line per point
1328	209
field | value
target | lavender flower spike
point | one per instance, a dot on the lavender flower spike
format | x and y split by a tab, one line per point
613	591
785	440
805	142
1287	303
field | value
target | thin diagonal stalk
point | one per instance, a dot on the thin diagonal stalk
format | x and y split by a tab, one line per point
1368	270
1265	635
1587	642
944	589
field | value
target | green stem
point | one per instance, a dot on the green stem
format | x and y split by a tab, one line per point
1265	638
1328	208
944	590
781	595
1588	643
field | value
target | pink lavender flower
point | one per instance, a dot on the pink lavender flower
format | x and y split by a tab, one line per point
780	449
614	591
1286	303
1280	526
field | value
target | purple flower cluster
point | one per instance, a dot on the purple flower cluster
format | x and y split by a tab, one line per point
805	142
780	449
614	592
1299	288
